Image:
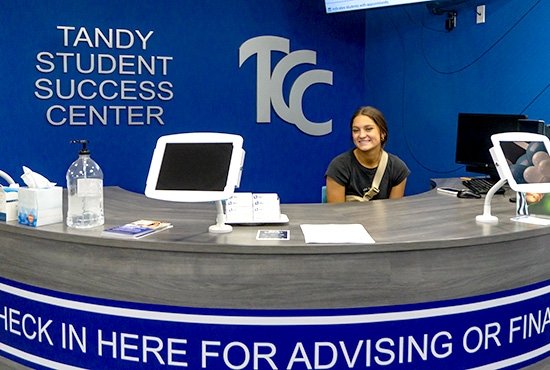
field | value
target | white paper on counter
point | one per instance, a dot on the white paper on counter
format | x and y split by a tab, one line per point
336	233
532	220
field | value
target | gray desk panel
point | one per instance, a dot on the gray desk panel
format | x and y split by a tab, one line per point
429	247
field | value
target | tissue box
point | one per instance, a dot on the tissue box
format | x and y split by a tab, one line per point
39	207
8	204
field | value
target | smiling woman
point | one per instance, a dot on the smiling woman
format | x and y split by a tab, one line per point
366	172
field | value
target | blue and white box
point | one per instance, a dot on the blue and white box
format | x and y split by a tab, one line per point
38	207
8	204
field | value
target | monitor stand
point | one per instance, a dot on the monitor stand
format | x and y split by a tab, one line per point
220	227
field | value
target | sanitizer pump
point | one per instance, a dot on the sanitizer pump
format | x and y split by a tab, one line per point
85	189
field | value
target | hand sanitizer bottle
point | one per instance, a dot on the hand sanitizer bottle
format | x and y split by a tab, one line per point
85	189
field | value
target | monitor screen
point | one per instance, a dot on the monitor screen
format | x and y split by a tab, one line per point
335	6
523	159
195	167
474	131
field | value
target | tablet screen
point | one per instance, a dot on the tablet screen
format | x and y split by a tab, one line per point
195	166
529	162
524	160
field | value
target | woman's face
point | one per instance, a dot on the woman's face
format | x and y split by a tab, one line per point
365	133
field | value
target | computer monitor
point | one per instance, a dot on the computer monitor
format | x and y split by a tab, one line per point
195	167
523	160
474	131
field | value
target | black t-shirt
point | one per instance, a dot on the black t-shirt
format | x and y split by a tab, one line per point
346	170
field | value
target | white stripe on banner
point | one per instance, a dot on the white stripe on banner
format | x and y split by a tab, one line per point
514	360
274	320
37	360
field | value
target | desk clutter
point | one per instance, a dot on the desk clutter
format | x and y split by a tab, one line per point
40	202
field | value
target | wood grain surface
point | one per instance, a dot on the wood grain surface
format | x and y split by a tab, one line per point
429	247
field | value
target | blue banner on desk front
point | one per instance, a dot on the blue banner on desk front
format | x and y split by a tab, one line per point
53	330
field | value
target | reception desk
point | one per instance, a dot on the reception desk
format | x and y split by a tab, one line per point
464	294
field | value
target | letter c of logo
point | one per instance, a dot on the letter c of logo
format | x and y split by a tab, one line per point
270	83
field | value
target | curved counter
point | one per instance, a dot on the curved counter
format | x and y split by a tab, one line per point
429	253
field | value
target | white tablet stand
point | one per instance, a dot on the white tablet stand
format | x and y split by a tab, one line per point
518	149
197	167
7	177
220	227
486	217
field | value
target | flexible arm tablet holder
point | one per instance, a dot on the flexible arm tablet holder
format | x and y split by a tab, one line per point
486	217
6	177
521	159
197	167
220	227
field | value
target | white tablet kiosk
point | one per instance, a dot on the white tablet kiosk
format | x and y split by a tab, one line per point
521	159
196	167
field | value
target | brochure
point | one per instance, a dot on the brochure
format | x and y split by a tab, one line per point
137	229
538	204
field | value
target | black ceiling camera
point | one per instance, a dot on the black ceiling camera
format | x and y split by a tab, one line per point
446	7
450	22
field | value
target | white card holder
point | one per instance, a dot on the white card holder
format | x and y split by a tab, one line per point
254	208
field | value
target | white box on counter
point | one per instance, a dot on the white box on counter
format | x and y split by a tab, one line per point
8	203
38	207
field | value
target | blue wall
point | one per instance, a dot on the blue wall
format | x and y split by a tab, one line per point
400	59
202	88
421	76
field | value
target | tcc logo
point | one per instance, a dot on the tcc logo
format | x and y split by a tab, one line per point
270	83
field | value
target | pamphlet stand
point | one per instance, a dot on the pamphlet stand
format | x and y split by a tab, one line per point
486	217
